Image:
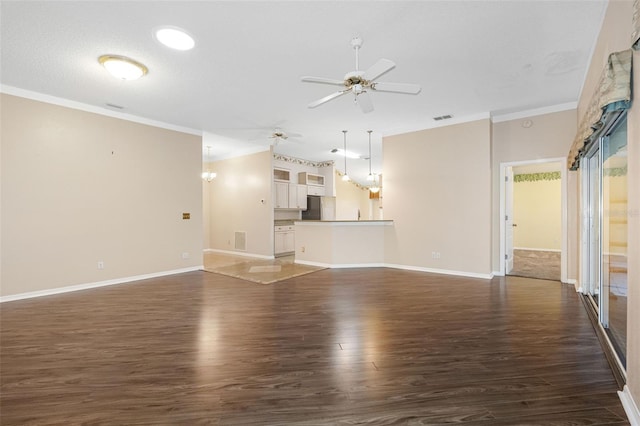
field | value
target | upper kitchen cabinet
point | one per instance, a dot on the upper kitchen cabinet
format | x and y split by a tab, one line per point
305	178
281	195
281	175
297	196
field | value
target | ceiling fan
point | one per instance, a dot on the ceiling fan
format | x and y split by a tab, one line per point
279	135
361	82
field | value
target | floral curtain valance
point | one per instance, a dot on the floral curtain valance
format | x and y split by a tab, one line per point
635	31
613	93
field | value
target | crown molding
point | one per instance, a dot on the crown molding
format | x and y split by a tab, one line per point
49	99
533	112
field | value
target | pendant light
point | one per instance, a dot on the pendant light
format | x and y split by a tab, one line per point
208	175
371	177
345	177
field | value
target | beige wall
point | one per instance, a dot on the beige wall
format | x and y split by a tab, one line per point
437	191
241	200
615	36
78	188
350	199
549	136
537	211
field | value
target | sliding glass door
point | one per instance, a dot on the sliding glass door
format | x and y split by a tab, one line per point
592	210
613	312
605	231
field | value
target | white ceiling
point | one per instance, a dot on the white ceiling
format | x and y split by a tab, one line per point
472	59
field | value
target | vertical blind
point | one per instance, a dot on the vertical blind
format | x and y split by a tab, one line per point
613	93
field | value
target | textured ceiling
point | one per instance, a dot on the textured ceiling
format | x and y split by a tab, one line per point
472	58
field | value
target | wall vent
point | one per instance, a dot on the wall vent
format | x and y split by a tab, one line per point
443	117
241	241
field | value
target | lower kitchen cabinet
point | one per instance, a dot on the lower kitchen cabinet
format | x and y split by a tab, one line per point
284	239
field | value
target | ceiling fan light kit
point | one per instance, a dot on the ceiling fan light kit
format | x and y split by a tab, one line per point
360	83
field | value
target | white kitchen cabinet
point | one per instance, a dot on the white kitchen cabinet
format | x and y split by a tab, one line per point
282	175
310	179
281	196
302	197
284	239
297	196
316	190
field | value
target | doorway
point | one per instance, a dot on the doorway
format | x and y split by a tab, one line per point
533	229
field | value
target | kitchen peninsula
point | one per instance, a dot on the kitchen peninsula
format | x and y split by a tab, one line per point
341	243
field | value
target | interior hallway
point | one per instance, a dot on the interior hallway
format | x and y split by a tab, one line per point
375	346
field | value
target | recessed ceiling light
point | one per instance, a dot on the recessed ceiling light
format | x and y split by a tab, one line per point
175	38
122	67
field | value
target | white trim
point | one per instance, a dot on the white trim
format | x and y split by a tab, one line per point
533	112
396	266
572	281
343	223
497	274
440	271
630	406
564	220
67	289
41	97
537	249
357	265
239	253
432	124
309	263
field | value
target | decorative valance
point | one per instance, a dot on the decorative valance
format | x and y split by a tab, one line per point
635	31
613	93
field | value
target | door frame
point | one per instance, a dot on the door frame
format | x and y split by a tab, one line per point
564	237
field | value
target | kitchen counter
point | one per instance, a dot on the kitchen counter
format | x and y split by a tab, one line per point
341	243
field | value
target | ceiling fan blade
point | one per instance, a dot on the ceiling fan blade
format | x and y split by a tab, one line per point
327	98
364	101
381	67
309	79
411	89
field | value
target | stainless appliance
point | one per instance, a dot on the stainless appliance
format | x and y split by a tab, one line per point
320	208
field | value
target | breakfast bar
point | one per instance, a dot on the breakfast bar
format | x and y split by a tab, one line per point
341	243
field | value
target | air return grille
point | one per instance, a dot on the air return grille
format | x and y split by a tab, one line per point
241	241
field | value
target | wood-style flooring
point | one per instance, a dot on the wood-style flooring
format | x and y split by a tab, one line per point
337	347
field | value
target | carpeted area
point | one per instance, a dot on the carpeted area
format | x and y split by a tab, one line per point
262	271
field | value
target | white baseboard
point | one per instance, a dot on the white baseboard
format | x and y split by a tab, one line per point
309	263
537	249
238	253
630	406
441	271
497	274
67	289
395	266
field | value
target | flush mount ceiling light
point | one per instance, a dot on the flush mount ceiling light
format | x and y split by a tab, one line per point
122	67
175	38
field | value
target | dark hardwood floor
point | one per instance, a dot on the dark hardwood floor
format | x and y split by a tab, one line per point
335	347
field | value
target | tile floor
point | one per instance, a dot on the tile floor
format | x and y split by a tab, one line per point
262	271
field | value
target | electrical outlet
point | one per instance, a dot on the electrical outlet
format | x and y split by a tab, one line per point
185	255
100	264
302	249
